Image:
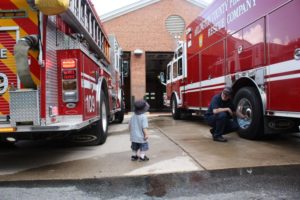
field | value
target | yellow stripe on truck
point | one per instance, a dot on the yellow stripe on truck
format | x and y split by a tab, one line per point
9	63
23	5
34	54
6	96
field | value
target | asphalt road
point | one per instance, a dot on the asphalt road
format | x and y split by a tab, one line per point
270	183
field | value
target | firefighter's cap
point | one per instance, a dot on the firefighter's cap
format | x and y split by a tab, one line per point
227	91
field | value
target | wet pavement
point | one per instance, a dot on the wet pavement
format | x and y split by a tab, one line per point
185	163
269	183
49	160
175	146
194	137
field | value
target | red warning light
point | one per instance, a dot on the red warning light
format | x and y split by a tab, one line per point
69	74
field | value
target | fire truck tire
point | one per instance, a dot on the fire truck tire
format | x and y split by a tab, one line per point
102	124
98	131
248	103
5	144
175	110
120	115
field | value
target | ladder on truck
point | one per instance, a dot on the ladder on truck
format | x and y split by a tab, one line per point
83	18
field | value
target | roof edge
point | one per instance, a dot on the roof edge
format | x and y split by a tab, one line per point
199	3
126	9
140	4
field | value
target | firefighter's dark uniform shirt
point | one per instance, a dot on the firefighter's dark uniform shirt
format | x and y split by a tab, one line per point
217	102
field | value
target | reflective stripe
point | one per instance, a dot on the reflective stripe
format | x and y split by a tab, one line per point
211	84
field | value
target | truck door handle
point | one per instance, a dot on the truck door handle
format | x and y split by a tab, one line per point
240	49
297	54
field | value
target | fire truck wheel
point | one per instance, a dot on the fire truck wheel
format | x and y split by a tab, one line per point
175	110
248	103
102	125
99	130
120	115
6	144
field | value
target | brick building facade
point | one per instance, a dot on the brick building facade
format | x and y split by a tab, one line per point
140	29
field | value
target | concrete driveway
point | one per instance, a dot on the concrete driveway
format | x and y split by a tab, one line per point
175	146
193	136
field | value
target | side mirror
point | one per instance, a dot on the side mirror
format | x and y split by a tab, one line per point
125	69
162	78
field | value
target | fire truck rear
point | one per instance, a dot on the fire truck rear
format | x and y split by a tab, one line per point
252	46
56	75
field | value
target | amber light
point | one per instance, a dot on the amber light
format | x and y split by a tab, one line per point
8	129
68	63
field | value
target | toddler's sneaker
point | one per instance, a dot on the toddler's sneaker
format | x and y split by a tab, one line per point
134	158
144	159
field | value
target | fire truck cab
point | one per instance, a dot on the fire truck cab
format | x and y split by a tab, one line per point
59	72
252	46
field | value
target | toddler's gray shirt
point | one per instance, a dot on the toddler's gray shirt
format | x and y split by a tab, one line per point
137	123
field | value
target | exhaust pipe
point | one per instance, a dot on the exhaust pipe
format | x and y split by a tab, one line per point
21	56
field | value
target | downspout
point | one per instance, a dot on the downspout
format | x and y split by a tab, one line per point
21	56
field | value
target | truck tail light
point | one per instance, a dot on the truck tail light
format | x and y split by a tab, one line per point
69	81
69	63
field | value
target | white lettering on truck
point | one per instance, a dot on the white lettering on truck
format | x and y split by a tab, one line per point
3	53
90	103
240	10
216	20
3	83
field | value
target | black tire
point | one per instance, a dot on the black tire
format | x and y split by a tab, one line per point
119	117
101	127
175	110
248	103
97	134
5	144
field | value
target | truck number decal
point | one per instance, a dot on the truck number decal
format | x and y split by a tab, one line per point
3	83
90	103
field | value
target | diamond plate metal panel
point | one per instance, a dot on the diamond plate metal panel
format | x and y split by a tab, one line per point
24	107
51	69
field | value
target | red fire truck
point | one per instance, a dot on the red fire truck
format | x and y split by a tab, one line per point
58	74
252	46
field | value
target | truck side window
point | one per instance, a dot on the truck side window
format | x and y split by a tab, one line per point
180	52
168	72
175	69
180	67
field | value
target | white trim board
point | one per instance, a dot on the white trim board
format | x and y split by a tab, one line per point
141	4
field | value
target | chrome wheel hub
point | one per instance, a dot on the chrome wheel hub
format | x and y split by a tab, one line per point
104	117
244	107
173	106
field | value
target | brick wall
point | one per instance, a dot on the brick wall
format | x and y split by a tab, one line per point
145	29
